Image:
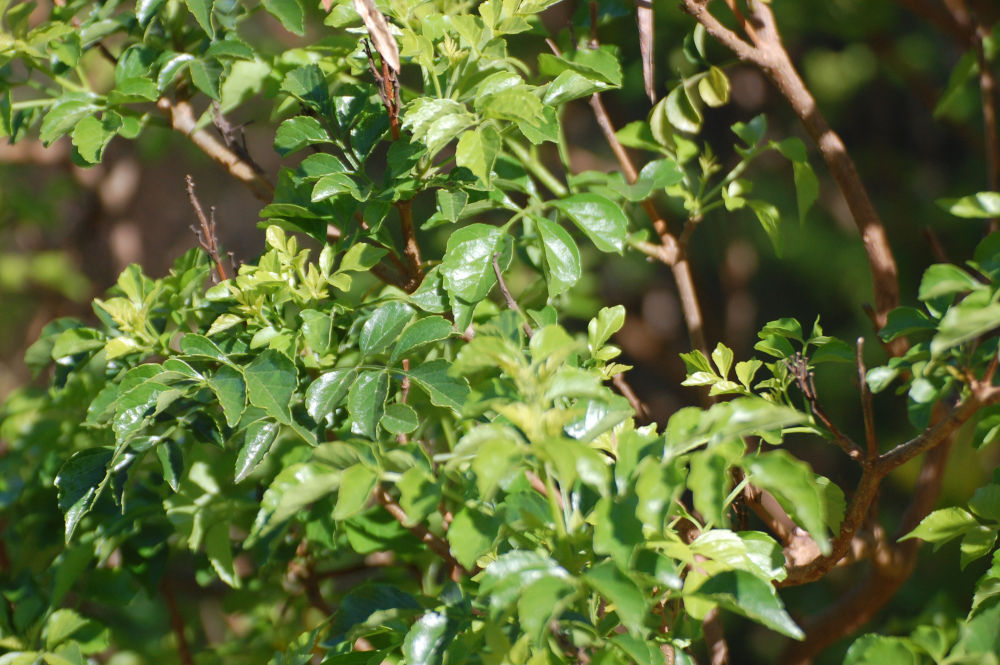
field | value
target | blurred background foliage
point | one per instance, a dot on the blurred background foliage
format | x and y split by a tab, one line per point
886	80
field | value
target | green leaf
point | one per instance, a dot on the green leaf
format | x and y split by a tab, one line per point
426	640
91	136
570	85
327	392
944	279
420	332
444	390
202	12
943	525
751	132
199	345
297	133
294	488
231	391
435	122
361	257
366	401
257	441
220	553
289	13
881	650
419	496
271	380
79	481
617	530
629	602
769	218
904	321
983	205
965	321
806	187
477	151
171	461
562	257
793	484
505	577
609	321
356	485
64	115
400	419
383	327
599	218
335	184
746	594
714	87
467	267
471	535
681	113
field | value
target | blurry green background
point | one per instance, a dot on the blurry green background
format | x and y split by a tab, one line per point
879	74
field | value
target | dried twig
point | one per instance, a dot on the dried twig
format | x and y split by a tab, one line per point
508	298
804	377
871	442
206	234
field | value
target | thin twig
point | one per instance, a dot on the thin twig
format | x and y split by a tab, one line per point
715	638
804	377
206	234
641	410
176	623
770	56
434	543
868	412
181	118
508	298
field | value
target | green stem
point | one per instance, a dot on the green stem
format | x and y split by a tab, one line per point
534	166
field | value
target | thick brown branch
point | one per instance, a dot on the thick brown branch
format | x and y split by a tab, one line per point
182	119
771	57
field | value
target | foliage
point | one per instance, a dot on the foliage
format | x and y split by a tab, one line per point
422	468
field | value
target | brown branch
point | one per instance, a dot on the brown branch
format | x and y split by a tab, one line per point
423	534
770	56
715	638
206	234
799	368
871	442
641	410
874	471
176	623
508	298
181	117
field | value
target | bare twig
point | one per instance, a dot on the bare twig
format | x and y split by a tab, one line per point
181	118
871	442
176	623
804	377
434	544
641	410
715	638
206	234
508	298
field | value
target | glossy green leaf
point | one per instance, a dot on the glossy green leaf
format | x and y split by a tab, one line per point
617	530
426	640
199	345
983	205
969	319
467	267
904	321
569	85
562	257
271	380
92	135
420	332
64	116
880	650
294	488
400	419
769	218
598	217
681	113
746	594
383	327
231	391
171	461
419	495
78	482
506	576
946	279
366	401
436	122
327	392
257	441
943	525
